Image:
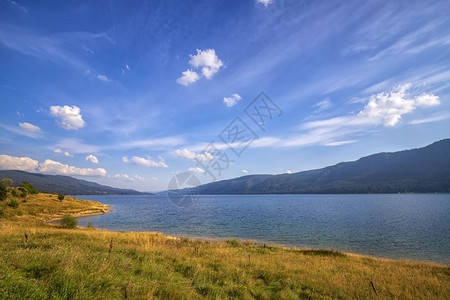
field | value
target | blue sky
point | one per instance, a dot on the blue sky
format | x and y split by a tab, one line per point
130	93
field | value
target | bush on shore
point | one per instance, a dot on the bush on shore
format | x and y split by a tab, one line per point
69	221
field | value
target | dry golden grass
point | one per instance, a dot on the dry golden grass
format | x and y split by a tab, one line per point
42	261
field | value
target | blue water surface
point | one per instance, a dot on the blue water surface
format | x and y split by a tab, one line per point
401	226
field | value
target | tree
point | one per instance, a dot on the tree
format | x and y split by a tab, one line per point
60	197
3	191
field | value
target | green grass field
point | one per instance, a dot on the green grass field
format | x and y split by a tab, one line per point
43	261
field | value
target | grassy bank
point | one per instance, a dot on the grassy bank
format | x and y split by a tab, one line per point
39	260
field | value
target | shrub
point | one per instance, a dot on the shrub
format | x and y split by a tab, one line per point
3	191
13	203
60	197
14	193
29	188
2	213
69	221
90	225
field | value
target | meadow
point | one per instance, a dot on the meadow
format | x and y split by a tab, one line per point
41	260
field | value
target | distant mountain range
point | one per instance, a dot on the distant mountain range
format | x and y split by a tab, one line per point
64	184
423	170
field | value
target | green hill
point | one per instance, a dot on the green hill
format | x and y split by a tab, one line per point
423	170
64	184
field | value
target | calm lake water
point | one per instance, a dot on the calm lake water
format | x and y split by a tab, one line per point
403	226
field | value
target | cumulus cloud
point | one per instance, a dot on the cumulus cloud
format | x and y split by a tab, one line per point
148	162
69	117
388	108
17	163
30	127
206	62
92	159
188	77
232	100
196	170
264	2
48	167
185	153
53	167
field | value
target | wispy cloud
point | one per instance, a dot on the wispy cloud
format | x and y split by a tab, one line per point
30	127
103	78
24	129
232	100
59	151
17	6
264	2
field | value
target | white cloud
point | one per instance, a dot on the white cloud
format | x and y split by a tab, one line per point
69	116
92	159
14	4
53	167
264	2
59	151
188	77
148	162
185	153
288	172
154	178
388	108
103	78
30	127
323	105
196	170
206	62
340	143
17	163
434	118
244	171
127	66
48	166
232	100
129	178
162	143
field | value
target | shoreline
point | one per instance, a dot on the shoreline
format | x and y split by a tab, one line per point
106	210
260	243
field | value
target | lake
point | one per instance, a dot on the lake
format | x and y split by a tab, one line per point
401	226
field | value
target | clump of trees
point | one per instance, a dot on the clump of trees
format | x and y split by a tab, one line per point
61	197
26	186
